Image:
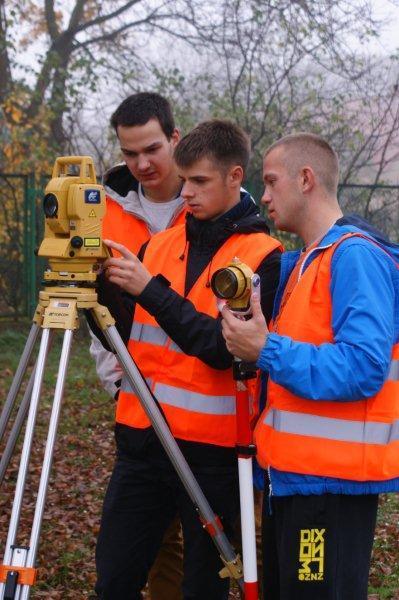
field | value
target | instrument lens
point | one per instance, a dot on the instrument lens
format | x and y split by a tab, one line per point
224	284
50	206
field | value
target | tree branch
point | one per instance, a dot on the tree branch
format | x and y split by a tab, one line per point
6	82
51	21
105	18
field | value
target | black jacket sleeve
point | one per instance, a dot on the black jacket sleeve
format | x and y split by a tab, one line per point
269	273
196	333
119	305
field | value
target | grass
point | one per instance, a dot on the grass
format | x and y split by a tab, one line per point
384	573
82	462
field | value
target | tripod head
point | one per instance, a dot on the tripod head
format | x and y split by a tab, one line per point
74	207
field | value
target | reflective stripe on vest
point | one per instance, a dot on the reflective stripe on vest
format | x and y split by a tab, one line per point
393	374
148	333
193	401
152	335
126	387
332	429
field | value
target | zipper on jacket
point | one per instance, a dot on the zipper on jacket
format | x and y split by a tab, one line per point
270	491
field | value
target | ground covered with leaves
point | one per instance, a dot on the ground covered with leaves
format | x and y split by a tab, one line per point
82	463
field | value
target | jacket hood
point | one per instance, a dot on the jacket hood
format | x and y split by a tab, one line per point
365	226
355	223
120	180
244	217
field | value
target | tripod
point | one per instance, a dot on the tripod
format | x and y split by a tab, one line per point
58	309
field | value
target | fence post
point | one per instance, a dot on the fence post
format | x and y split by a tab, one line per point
30	203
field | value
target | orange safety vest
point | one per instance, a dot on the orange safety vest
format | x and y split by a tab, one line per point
127	229
356	440
198	401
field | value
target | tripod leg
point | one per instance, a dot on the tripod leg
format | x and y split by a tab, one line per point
48	457
18	423
18	377
207	516
24	462
16	428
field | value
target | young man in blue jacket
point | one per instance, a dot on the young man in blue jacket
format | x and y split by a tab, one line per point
329	433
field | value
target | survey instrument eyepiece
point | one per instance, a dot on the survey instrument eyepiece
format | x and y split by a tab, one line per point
74	208
235	284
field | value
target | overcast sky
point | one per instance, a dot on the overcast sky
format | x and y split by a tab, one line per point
388	10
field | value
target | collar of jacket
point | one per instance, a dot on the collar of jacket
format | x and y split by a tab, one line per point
340	228
244	217
122	187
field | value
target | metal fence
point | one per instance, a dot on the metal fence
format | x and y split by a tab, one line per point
379	204
21	230
18	231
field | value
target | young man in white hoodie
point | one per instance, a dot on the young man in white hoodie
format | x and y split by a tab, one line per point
143	198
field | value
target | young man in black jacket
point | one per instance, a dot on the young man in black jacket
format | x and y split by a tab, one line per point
177	342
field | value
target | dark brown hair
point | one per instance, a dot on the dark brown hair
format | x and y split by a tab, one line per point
140	108
219	140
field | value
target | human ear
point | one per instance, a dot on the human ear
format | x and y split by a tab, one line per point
307	179
175	137
235	176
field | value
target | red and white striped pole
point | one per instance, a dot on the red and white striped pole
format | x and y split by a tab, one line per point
245	451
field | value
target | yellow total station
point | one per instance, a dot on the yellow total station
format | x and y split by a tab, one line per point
74	208
234	283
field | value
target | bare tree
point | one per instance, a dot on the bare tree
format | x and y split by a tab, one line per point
76	41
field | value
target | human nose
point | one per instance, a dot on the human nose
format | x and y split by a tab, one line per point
186	191
142	162
266	198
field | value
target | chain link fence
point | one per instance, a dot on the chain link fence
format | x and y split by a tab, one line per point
379	204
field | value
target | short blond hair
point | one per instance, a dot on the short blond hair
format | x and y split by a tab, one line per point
309	149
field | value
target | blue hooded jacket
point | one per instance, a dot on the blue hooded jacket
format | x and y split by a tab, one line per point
365	320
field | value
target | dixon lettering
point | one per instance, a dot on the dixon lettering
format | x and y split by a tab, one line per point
311	554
